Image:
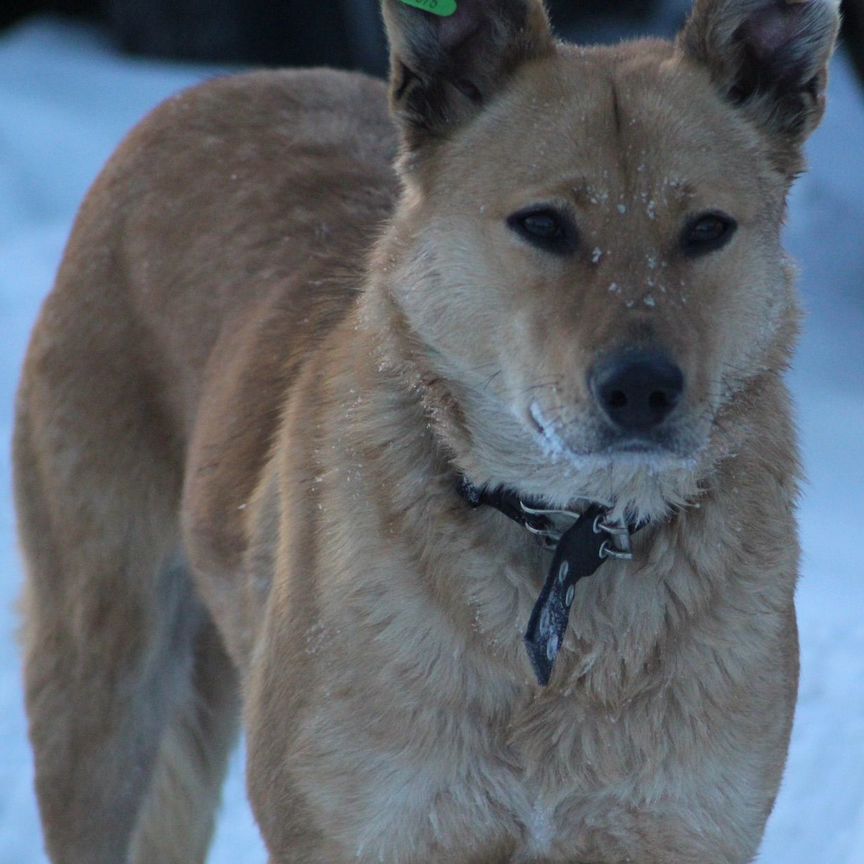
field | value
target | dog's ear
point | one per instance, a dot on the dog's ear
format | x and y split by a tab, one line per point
445	67
770	57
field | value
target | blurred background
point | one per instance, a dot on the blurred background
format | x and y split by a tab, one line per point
76	75
343	33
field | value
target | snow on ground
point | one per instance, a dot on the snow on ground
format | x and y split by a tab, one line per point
66	99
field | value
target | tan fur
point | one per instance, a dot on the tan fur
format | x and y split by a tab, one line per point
264	366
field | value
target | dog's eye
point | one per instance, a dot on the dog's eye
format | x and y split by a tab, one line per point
707	232
546	228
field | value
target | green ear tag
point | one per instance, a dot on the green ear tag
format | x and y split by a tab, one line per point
445	8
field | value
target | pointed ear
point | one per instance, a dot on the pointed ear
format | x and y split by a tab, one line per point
770	57
443	68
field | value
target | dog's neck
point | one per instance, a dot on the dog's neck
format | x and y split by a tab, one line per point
580	537
415	464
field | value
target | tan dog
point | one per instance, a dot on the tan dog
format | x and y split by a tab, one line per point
269	361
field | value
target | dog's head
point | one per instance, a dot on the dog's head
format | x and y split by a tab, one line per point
585	269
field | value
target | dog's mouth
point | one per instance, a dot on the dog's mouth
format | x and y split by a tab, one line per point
637	477
593	441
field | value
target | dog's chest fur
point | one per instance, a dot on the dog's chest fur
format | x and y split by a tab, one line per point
440	762
544	785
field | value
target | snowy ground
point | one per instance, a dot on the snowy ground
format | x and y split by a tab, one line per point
65	101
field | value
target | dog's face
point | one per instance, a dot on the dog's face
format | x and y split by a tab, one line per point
587	254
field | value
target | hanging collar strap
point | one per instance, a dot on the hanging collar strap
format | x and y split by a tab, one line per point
580	541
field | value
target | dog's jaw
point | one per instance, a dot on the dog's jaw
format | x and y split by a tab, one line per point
637	481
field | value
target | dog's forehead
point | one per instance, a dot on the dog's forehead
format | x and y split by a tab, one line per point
611	121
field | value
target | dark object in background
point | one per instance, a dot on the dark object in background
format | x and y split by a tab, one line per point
13	10
853	33
346	33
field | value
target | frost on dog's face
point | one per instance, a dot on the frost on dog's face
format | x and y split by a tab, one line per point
588	249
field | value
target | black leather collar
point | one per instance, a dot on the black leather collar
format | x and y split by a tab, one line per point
582	541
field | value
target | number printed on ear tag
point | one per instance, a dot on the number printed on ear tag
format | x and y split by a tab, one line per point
444	8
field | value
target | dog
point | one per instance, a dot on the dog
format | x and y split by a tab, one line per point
443	446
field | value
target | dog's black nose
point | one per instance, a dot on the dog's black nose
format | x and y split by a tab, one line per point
637	390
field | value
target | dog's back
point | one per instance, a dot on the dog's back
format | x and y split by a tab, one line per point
202	263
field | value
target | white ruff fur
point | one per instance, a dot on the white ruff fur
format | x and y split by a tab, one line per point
634	485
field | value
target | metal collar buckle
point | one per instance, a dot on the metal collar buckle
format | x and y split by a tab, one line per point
619	544
556	522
